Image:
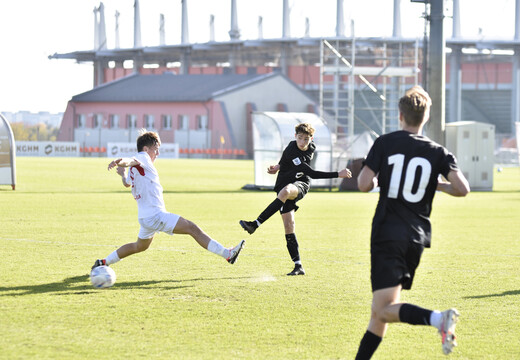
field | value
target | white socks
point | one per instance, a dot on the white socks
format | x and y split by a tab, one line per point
112	258
436	319
216	248
213	246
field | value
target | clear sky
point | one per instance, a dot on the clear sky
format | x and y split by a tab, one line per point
31	30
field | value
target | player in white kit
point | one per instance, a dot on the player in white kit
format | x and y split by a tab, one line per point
147	191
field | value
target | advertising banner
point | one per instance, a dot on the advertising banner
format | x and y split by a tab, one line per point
114	150
47	148
7	154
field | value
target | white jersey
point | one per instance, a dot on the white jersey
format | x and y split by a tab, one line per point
146	188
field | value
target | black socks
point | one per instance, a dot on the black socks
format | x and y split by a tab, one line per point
270	210
368	346
410	314
414	315
292	246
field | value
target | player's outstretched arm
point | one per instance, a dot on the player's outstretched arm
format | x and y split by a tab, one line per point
457	184
345	173
123	162
316	174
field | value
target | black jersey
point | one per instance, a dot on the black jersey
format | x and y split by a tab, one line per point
295	166
408	166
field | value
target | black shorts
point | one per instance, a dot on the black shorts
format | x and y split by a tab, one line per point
394	263
290	205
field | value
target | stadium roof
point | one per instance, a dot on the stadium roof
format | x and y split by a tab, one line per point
169	87
219	51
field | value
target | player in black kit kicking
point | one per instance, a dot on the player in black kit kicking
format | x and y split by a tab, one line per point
407	166
292	183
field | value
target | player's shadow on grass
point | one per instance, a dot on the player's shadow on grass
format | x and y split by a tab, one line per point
67	284
75	285
79	285
505	293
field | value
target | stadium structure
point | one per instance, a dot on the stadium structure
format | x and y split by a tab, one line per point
355	82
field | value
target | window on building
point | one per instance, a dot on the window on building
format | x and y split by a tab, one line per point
202	122
131	121
81	121
149	122
184	122
98	121
114	121
167	122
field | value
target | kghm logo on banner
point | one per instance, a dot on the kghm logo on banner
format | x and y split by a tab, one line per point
47	148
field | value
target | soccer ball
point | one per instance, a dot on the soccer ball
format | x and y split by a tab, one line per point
102	277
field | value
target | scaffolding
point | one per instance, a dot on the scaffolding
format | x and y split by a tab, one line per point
360	94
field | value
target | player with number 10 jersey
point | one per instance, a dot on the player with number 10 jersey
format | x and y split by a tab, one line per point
408	165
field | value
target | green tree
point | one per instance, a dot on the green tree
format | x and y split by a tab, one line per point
38	132
20	132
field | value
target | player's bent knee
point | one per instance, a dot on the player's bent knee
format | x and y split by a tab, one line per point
288	192
378	313
379	316
384	315
283	194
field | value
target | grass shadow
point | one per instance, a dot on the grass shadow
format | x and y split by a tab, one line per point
81	285
505	293
66	284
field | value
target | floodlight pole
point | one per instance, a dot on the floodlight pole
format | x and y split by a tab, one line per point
437	79
425	48
436	84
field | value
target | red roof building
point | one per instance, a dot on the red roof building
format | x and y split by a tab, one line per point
199	112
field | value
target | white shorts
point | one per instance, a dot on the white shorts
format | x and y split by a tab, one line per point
160	222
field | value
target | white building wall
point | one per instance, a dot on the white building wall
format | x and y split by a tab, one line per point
266	95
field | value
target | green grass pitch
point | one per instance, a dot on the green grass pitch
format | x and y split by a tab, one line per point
178	301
